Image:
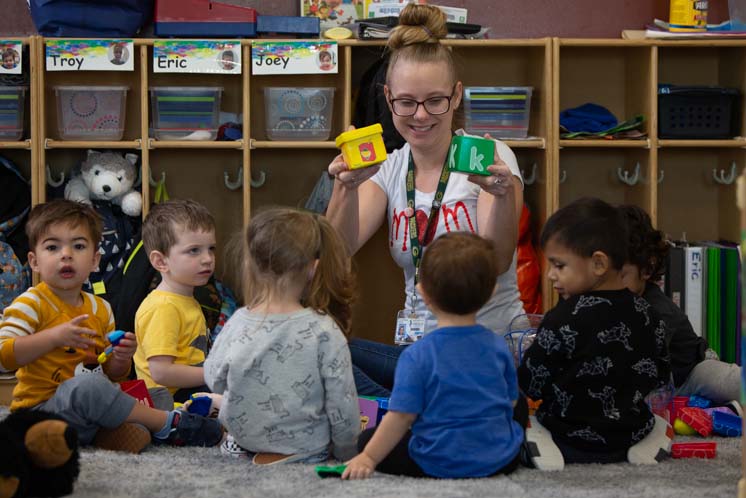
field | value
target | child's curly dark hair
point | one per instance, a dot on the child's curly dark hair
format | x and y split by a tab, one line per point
647	247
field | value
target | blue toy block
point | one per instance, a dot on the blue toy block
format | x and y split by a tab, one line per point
726	424
699	402
200	405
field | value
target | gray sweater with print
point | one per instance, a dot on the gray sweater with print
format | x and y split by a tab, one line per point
287	383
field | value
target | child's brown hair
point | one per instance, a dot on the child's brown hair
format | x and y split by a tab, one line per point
459	272
71	213
159	230
281	246
647	247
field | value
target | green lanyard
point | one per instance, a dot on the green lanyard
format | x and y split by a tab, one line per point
437	200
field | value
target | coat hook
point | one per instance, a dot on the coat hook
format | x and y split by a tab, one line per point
260	181
151	180
625	177
529	180
563	176
720	177
51	181
236	184
661	174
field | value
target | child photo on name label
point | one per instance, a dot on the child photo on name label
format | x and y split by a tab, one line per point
118	54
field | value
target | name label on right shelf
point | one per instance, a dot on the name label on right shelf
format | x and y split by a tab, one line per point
294	57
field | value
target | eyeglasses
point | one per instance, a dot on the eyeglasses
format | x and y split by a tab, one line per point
434	105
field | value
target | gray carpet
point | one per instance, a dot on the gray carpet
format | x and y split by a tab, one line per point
204	472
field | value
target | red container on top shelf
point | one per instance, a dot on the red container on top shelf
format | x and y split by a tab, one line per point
203	18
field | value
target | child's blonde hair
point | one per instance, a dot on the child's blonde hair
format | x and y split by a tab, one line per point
281	246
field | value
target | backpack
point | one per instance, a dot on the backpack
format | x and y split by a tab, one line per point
371	106
119	235
15	204
90	18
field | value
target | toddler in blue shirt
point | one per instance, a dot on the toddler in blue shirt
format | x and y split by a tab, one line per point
457	386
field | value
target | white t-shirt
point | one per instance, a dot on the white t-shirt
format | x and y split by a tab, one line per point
458	212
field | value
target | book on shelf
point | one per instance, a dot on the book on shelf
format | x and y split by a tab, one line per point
695	283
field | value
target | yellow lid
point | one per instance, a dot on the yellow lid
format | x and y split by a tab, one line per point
351	135
337	33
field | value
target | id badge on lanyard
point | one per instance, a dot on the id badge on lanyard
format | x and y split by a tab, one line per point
410	324
410	327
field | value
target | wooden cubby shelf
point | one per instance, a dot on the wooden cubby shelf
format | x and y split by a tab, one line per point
670	176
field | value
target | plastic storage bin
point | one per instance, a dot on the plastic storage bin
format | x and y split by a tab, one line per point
186	112
12	100
501	111
298	113
698	112
91	112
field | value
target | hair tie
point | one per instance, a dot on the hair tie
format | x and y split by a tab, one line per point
425	28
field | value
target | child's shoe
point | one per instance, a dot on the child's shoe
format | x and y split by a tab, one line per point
232	449
128	437
188	429
735	407
542	451
655	446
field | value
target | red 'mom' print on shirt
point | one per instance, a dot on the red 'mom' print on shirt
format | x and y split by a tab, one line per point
400	224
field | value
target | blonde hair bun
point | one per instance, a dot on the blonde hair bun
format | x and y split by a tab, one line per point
418	24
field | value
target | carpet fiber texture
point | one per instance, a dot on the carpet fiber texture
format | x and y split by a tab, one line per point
204	472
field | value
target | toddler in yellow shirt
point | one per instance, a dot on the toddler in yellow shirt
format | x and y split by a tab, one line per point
179	237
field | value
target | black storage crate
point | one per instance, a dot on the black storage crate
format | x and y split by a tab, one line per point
698	112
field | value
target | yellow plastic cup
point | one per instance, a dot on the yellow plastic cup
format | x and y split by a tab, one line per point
362	147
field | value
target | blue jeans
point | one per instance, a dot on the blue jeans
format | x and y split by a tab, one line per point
373	366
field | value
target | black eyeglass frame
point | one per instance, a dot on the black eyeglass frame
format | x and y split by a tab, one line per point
392	103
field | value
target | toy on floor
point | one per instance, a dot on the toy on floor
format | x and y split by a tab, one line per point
114	338
697	420
726	424
693	450
107	176
39	455
204	404
330	470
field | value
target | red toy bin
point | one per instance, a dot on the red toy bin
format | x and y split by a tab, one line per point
203	18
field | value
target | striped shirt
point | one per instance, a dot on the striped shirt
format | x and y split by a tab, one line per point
39	309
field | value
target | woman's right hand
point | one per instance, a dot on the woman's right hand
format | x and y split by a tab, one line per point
350	178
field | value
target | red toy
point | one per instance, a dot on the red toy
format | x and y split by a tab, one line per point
203	18
138	390
697	419
677	404
693	450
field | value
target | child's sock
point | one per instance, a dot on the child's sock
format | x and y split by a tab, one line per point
166	429
654	447
543	452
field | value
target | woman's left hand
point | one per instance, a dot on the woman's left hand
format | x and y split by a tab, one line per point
501	179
